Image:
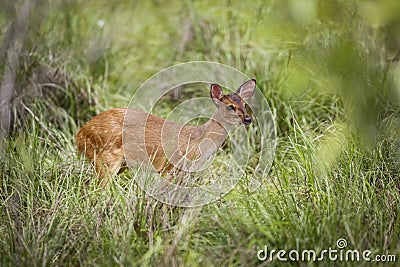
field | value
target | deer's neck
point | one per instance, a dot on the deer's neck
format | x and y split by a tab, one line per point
215	130
198	143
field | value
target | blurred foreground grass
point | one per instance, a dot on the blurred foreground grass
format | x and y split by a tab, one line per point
329	70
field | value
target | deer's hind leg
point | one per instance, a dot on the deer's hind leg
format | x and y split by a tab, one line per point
108	165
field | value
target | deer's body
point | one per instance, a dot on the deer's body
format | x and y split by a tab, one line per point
118	136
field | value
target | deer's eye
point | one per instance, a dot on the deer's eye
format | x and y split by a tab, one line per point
231	107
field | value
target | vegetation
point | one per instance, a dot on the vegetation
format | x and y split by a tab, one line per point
329	70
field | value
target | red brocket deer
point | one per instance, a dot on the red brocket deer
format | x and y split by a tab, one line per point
119	136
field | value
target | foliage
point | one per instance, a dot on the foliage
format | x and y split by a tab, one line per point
329	70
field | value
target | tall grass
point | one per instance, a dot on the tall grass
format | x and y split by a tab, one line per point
329	77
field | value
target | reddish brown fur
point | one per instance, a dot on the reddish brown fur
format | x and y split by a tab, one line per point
101	139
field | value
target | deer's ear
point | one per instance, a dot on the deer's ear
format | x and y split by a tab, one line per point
247	89
216	92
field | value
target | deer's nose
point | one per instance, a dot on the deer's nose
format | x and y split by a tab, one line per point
247	120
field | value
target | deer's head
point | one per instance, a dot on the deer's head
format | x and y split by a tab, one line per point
232	107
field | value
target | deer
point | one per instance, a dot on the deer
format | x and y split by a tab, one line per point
119	137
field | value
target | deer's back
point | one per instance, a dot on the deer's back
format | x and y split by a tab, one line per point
135	134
